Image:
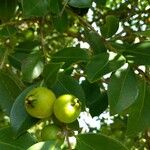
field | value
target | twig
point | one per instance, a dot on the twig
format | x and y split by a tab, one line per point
17	22
65	4
143	74
66	133
42	37
68	142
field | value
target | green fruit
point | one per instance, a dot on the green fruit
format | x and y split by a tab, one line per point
29	34
39	102
50	132
67	108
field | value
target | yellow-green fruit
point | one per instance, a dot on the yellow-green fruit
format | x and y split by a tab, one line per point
50	132
29	34
67	108
39	102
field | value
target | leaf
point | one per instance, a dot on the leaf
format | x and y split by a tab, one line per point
48	145
32	67
8	31
27	46
55	7
61	22
92	141
67	84
22	52
7	141
20	120
95	65
110	27
100	3
143	33
139	120
34	8
16	59
118	47
95	42
100	65
7	9
80	4
138	53
50	73
9	90
96	100
122	90
70	55
116	63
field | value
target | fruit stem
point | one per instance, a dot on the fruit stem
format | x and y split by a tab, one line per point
68	142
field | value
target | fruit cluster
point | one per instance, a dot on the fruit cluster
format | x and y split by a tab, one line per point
42	103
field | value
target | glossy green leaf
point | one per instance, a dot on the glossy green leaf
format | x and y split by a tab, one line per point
138	53
95	65
118	47
95	42
92	141
50	73
110	27
8	142
96	100
122	90
79	11
7	9
67	84
143	33
48	145
16	59
55	6
61	22
70	55
20	120
100	65
100	2
32	67
27	46
9	90
139	119
34	7
80	4
116	63
8	31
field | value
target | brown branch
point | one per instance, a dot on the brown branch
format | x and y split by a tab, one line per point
18	22
143	74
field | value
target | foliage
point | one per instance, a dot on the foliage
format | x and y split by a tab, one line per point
97	50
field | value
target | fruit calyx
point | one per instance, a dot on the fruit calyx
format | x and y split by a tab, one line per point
30	101
76	103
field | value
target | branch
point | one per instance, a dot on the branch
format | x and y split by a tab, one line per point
17	22
42	37
147	77
68	142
